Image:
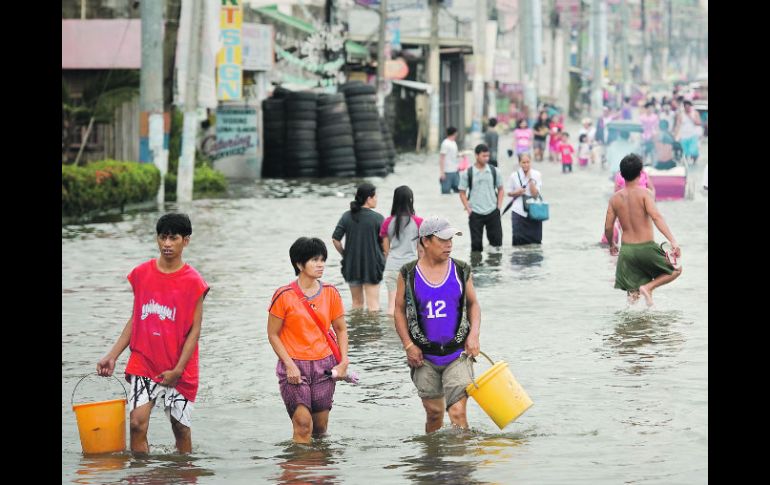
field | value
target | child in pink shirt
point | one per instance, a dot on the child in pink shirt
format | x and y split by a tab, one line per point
566	151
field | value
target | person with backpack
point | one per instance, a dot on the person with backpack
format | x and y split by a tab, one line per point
481	192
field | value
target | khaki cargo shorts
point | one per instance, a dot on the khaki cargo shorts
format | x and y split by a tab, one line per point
447	381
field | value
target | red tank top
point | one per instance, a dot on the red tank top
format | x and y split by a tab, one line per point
164	305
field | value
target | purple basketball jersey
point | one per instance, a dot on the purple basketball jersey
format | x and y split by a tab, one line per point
438	308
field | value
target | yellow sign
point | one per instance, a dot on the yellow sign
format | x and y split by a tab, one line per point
230	57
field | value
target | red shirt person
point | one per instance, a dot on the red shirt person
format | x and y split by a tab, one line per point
163	334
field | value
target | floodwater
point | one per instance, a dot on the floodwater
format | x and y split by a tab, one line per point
620	394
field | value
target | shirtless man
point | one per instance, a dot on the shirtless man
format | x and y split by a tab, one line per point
642	264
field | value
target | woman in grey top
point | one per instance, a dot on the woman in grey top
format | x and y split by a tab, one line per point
363	259
399	239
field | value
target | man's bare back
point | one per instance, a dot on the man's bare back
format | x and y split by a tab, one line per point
631	205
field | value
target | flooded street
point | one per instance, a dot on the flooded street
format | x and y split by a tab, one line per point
620	395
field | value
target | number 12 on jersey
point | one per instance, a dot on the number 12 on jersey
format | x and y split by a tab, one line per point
435	310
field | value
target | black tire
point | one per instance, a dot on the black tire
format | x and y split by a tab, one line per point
366	126
325	131
365	99
301	125
273	116
300	105
368	145
339	161
357	117
367	136
333	119
303	96
297	146
354	109
272	104
274	125
336	141
370	154
301	115
338	152
300	136
360	89
341	173
333	109
336	98
304	158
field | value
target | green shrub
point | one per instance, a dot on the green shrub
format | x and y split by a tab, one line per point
206	182
106	185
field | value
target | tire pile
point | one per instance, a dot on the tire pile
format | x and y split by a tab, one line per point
390	147
371	155
274	136
335	137
300	149
307	134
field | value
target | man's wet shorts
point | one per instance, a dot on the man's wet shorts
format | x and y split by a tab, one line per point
447	381
144	390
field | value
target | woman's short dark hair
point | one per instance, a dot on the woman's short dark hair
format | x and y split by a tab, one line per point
304	249
630	167
174	224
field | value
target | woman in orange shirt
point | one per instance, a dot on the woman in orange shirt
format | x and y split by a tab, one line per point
304	355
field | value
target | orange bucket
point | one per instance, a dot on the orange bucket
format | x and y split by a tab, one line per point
102	425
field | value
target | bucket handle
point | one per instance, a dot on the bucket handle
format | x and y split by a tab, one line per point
72	399
473	379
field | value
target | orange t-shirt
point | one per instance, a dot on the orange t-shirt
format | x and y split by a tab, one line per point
300	334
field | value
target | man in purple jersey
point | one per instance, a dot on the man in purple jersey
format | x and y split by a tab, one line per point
438	317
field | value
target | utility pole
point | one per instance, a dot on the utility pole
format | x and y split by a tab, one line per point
478	74
531	31
624	50
433	78
599	17
554	21
151	85
186	168
381	60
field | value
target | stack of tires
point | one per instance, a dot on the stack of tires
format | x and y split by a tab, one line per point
335	137
301	152
390	147
370	147
274	134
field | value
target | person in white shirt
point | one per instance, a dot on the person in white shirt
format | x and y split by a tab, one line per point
524	181
449	177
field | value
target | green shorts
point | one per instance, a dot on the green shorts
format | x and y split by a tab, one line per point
447	381
640	263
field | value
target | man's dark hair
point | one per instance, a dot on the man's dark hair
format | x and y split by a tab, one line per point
173	223
630	167
425	237
492	122
451	131
687	102
304	249
480	148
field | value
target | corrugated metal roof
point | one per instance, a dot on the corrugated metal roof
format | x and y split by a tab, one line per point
101	44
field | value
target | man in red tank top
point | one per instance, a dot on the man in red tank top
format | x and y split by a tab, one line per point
163	336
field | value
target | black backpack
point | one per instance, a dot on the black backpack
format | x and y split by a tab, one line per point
470	179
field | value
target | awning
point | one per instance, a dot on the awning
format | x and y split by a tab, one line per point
413	85
353	48
101	44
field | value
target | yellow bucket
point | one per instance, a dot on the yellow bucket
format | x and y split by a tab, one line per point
498	394
102	425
